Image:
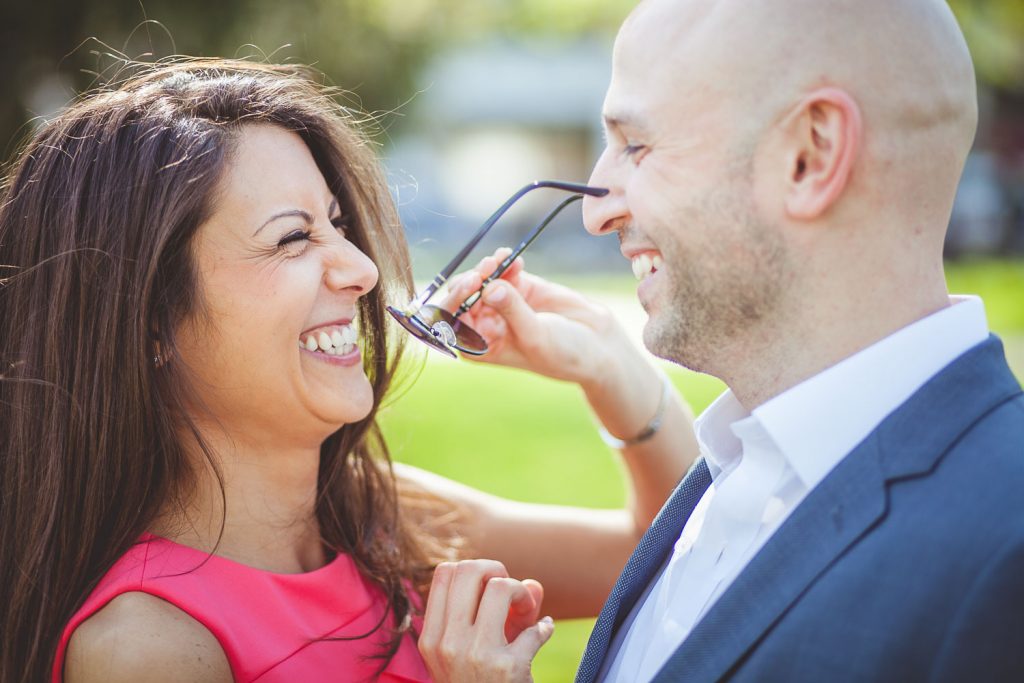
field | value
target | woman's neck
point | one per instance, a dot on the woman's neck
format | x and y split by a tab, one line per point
263	515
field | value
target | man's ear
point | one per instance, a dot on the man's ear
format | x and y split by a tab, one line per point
824	134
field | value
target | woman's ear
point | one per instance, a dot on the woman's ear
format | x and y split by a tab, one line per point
159	355
824	135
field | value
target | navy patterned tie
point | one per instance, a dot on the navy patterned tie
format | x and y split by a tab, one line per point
642	565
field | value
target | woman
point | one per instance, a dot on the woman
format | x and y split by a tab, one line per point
195	267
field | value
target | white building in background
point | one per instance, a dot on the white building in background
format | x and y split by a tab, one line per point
488	120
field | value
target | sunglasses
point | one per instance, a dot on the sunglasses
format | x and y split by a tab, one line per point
443	330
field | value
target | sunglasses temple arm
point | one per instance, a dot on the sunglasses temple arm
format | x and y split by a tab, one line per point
423	297
510	259
447	271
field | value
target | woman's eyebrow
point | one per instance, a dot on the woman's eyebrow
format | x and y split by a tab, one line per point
285	214
333	207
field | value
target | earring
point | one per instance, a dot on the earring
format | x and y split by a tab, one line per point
159	355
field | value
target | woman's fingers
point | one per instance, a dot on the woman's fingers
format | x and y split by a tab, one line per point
526	645
507	621
464	635
467	586
437	606
523	609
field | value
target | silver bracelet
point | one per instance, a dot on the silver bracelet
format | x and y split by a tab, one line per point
652	427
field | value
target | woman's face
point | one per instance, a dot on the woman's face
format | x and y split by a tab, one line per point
273	355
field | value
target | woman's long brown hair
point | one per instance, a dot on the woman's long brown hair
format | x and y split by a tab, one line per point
97	216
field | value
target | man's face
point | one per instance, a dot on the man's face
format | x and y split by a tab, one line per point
679	163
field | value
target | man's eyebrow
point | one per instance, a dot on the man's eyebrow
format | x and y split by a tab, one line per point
618	120
285	214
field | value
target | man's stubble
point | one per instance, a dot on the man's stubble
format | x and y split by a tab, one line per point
724	283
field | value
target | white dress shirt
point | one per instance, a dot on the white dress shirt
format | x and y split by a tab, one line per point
763	464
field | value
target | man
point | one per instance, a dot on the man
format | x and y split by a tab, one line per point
781	175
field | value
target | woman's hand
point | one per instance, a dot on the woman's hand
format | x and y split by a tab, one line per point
480	625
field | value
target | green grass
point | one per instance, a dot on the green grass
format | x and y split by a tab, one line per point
1000	284
528	438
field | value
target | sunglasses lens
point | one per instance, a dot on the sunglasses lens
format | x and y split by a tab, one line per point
452	331
419	330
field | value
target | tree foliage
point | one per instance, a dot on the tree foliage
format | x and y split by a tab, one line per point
995	34
373	48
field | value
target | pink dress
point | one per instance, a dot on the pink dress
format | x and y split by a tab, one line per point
269	625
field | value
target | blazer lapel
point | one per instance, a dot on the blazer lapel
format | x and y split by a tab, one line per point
642	566
840	510
832	517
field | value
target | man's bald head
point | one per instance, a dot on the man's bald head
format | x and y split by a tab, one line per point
904	63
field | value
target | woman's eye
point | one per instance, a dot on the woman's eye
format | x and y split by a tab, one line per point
293	241
340	223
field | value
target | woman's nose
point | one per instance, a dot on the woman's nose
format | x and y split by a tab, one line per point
348	268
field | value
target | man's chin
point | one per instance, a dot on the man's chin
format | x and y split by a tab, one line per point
665	339
655	338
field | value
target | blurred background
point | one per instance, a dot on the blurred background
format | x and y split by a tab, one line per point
473	99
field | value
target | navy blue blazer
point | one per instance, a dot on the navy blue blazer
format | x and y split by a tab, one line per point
906	563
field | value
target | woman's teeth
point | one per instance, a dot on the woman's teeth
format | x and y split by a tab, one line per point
336	340
645	264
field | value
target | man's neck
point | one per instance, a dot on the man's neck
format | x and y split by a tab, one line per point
816	336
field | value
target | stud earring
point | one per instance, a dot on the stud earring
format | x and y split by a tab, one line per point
160	359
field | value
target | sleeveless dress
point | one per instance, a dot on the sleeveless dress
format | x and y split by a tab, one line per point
271	626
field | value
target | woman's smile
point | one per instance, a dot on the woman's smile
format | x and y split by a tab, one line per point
335	343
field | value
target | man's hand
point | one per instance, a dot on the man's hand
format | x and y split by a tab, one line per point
537	325
480	625
549	329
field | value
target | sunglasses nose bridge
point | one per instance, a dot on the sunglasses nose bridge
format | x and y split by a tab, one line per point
439	329
420	331
444	333
447	325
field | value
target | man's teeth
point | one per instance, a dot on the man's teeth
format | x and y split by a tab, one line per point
336	340
645	264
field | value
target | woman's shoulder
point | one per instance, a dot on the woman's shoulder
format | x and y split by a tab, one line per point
137	636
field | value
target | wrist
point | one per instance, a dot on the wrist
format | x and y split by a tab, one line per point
631	395
613	365
652	426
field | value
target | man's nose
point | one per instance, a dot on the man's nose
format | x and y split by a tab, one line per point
602	215
348	268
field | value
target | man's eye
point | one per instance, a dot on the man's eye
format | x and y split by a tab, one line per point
633	150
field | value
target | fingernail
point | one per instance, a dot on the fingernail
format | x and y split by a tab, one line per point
548	620
495	294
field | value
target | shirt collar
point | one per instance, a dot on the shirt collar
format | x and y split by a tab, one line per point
720	447
817	422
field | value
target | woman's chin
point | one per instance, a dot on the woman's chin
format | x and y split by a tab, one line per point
336	417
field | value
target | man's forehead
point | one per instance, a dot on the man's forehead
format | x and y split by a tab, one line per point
661	25
654	58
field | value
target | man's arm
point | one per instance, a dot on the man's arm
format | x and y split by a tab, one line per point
548	329
985	642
